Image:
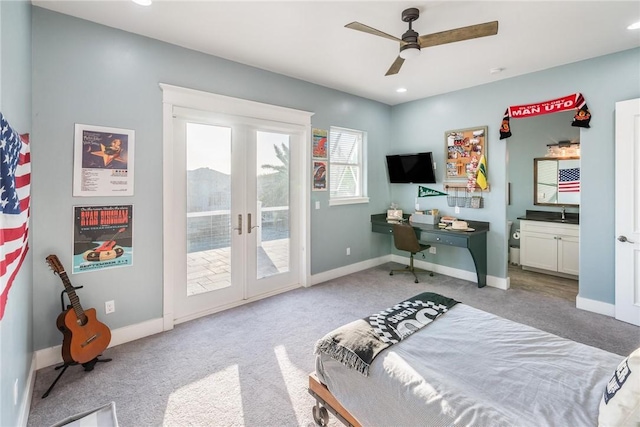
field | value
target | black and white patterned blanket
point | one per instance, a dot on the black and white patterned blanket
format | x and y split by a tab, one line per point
356	344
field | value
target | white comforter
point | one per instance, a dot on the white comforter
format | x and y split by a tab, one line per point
472	368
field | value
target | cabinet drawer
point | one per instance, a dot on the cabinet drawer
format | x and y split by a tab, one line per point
549	228
382	228
444	239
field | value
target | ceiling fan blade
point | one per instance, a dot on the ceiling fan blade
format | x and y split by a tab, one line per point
370	30
459	34
395	67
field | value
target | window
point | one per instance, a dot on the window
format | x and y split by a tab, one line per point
347	171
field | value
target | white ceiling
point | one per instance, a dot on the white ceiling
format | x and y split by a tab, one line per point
307	39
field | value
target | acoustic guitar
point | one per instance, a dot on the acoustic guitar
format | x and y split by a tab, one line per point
85	338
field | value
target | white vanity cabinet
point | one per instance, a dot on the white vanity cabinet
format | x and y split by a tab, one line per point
550	246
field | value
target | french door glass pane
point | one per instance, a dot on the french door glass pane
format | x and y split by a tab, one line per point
208	208
272	174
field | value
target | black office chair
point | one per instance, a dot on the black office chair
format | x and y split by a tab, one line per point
405	239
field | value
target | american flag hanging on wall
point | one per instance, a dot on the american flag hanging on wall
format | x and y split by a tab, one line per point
569	180
15	185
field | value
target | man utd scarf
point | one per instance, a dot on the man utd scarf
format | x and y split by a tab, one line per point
570	102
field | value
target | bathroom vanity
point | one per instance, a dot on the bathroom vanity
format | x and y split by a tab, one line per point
550	243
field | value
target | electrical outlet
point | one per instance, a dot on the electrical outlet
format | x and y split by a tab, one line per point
457	210
432	250
15	392
109	307
317	205
348	251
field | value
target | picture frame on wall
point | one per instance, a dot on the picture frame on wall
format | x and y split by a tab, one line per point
462	147
102	237
320	143
319	175
103	161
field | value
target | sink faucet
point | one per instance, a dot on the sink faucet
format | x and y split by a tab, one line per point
563	218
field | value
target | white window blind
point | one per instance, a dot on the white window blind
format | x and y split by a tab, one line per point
346	166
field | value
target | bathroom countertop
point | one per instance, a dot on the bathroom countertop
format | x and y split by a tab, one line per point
550	216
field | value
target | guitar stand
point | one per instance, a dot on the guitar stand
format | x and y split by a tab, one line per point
88	366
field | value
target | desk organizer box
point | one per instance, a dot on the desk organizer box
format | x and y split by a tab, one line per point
425	219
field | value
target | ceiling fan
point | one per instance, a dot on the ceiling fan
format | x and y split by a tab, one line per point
411	42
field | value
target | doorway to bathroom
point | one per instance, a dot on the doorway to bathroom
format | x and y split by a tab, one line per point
532	139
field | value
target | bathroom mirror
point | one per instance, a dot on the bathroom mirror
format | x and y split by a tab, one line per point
556	181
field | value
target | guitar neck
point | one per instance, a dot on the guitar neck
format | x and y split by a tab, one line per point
73	298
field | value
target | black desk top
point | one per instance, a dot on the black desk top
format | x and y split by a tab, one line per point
479	226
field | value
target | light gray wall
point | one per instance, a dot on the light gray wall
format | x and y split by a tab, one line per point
16	347
603	81
91	74
86	73
529	140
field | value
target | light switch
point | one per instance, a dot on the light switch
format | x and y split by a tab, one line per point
317	205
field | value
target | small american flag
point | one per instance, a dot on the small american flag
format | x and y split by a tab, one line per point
15	186
569	180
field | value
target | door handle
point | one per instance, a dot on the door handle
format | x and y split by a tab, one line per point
623	239
249	227
239	227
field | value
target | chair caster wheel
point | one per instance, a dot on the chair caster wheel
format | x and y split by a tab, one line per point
416	281
391	273
431	274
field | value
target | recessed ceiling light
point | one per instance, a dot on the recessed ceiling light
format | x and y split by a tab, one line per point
142	2
634	26
496	70
401	90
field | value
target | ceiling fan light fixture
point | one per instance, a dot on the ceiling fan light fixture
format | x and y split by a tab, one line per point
409	51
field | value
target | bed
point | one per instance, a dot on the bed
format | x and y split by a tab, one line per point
468	367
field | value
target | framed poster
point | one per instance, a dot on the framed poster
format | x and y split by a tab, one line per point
102	237
103	161
463	148
319	175
320	143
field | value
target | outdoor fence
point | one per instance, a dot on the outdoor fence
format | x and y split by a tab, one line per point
212	229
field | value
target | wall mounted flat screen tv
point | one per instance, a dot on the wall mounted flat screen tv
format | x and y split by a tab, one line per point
411	168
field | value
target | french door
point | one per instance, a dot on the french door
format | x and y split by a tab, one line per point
236	210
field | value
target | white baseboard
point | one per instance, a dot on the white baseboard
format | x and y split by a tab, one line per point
348	269
494	282
594	306
53	355
25	403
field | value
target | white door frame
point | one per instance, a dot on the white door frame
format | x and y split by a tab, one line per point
627	224
174	96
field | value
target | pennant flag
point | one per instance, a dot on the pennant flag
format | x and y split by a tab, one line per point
15	185
569	180
428	192
481	177
505	127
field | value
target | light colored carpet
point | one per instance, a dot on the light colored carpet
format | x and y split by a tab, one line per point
249	365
